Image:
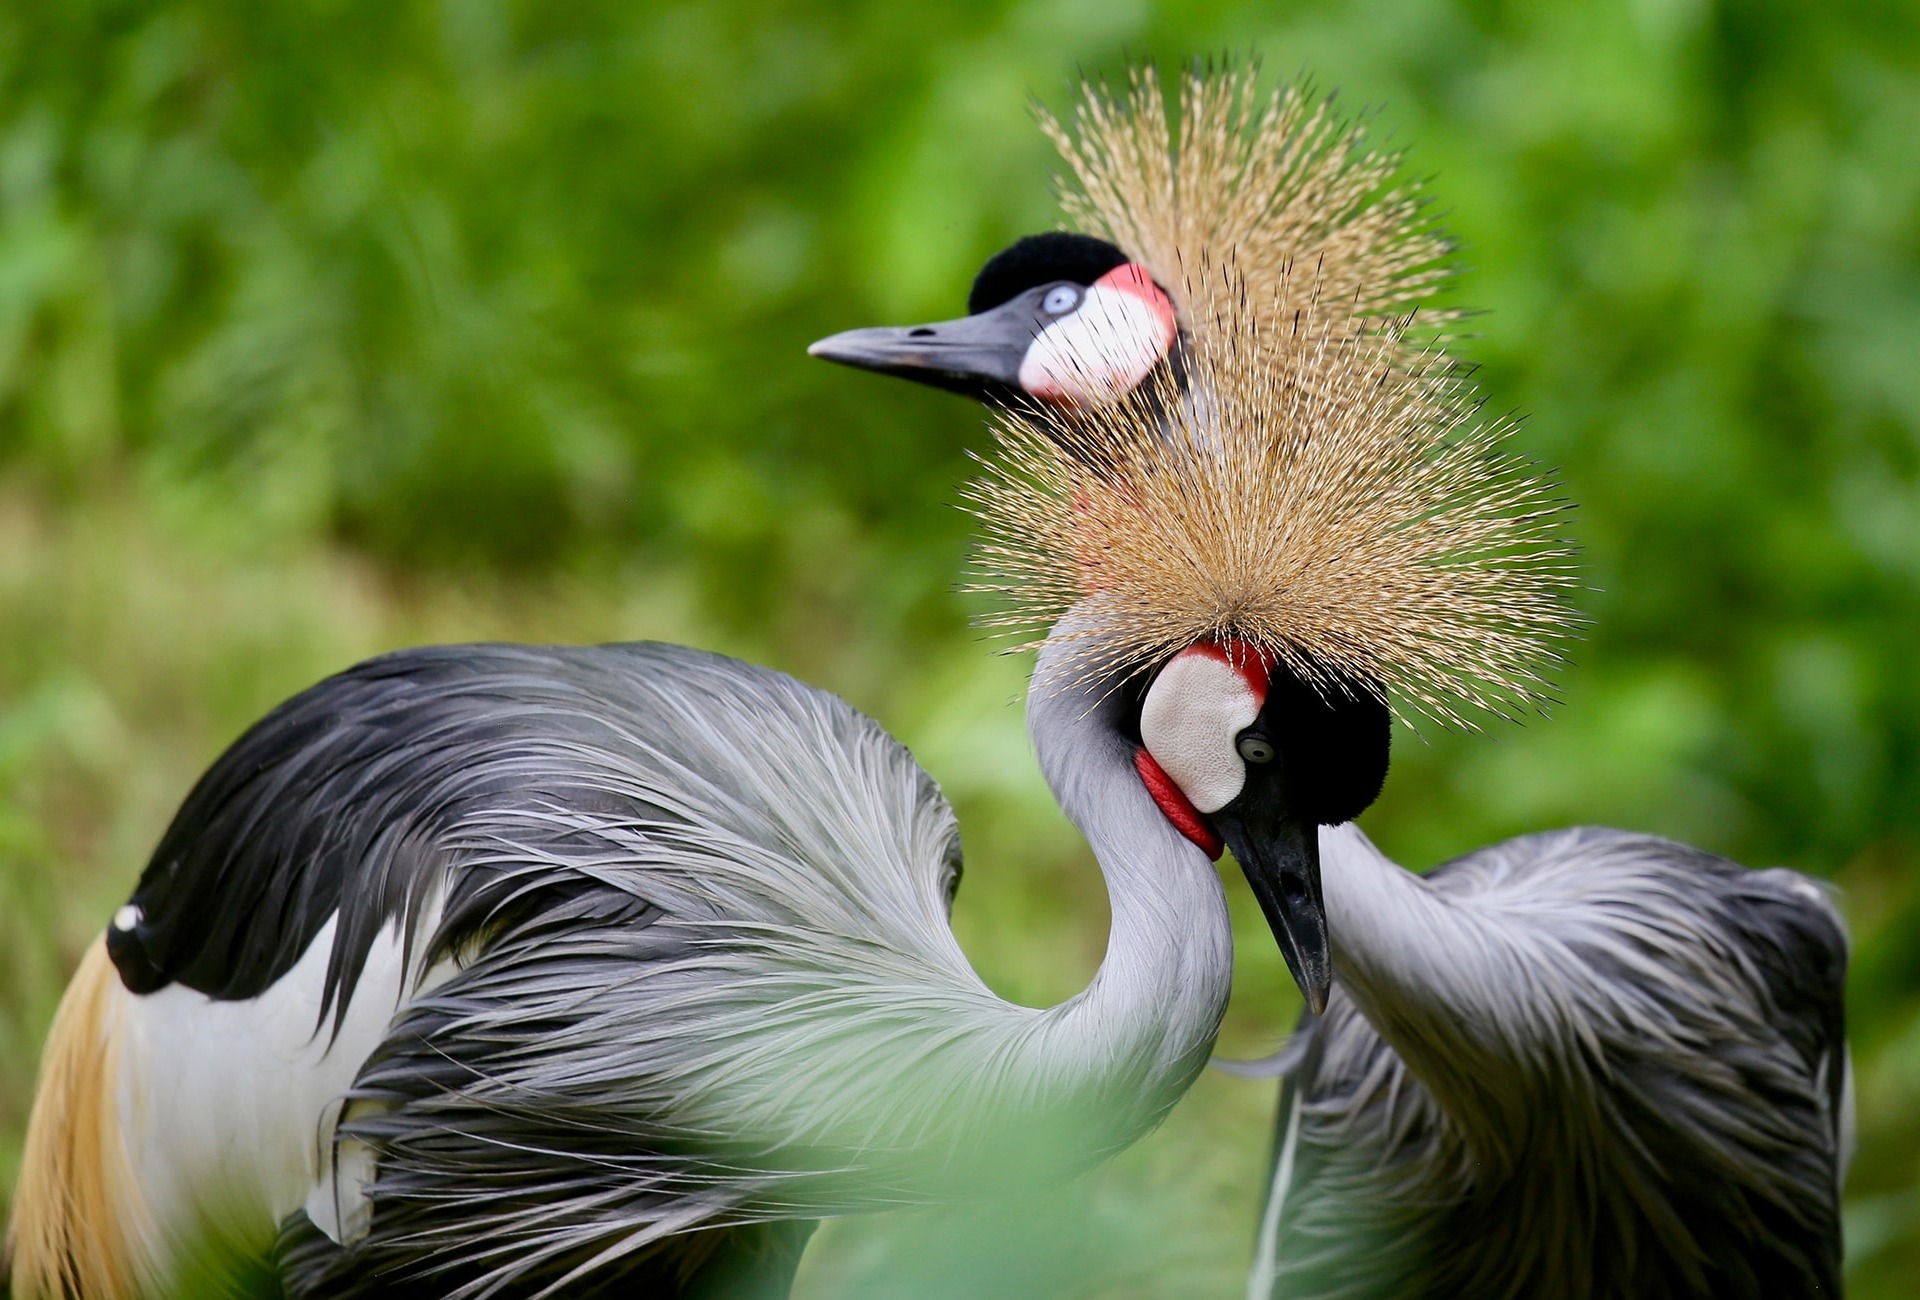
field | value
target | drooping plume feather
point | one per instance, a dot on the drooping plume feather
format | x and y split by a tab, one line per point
1309	477
1277	184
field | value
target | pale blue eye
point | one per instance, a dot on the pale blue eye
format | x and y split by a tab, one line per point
1255	749
1060	300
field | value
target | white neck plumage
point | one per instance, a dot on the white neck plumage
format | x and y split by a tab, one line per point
970	1093
1438	979
1162	987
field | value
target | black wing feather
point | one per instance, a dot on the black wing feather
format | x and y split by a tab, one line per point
336	803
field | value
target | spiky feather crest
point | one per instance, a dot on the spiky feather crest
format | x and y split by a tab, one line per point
1310	476
1353	518
1268	182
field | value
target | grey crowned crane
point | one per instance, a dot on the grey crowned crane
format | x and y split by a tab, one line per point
1587	1063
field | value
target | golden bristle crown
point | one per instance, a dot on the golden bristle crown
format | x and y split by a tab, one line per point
1277	183
1327	493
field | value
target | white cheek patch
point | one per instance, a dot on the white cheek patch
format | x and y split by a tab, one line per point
1188	722
1100	352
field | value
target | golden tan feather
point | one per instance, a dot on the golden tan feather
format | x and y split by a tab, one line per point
1312	477
1275	184
1309	493
69	1236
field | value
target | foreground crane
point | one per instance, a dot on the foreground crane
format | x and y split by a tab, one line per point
480	969
1581	1064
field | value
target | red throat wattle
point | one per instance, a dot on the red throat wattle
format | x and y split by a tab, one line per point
1176	806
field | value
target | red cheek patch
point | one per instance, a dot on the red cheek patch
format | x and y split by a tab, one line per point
1253	666
1175	805
1123	329
1131	277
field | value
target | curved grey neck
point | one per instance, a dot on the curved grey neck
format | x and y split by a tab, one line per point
906	1079
1440	981
1151	1014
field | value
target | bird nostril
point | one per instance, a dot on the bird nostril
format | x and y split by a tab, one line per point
922	333
1293	890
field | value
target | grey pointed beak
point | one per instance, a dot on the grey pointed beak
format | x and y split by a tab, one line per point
1281	860
978	356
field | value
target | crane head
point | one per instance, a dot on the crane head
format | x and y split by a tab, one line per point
1059	318
1240	753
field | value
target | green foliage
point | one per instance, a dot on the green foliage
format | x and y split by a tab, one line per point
327	327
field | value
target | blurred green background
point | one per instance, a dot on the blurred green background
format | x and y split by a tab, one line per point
329	327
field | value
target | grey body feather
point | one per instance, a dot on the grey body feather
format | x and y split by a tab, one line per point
1579	1064
698	976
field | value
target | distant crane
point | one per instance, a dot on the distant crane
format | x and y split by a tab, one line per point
1580	1064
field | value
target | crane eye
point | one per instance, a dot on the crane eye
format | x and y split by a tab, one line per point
1255	749
1060	300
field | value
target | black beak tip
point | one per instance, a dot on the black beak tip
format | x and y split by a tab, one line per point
1281	860
1312	972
